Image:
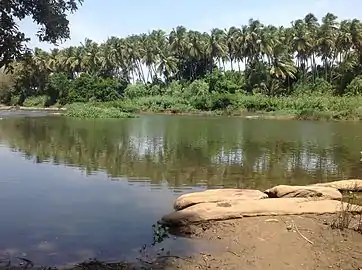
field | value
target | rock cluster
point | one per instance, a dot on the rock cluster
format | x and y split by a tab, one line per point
223	204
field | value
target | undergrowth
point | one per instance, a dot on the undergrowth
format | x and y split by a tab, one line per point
350	216
88	111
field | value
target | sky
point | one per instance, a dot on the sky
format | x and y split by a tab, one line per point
99	20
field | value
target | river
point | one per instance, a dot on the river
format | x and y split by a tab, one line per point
77	189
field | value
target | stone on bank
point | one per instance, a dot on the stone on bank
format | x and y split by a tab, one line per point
217	195
223	204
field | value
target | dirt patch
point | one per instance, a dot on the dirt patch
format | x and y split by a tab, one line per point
283	242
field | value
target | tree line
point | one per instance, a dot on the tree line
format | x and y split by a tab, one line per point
310	55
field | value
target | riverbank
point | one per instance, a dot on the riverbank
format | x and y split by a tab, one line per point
317	226
285	242
106	110
304	106
22	108
258	243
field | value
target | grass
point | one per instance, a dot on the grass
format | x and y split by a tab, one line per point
90	111
349	217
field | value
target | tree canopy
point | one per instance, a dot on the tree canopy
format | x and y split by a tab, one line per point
50	15
312	55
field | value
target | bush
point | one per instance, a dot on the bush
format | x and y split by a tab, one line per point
196	89
163	104
6	88
57	88
225	82
38	101
319	87
123	105
175	88
355	87
135	91
220	101
93	88
89	111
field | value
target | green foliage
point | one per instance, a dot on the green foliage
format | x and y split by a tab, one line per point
7	85
319	87
89	111
273	70
198	88
125	105
93	88
136	91
225	82
38	101
221	101
51	16
355	87
57	88
175	88
163	104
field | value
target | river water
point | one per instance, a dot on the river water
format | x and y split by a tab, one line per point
77	189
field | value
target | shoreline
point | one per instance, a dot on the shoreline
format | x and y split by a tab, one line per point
269	242
284	242
261	115
303	227
21	108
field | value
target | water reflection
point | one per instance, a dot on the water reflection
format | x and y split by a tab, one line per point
185	151
59	205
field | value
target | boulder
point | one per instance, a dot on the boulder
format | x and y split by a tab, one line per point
284	191
354	185
205	212
217	195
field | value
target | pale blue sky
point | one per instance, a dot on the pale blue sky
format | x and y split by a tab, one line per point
98	20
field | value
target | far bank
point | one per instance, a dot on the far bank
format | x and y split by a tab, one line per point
303	107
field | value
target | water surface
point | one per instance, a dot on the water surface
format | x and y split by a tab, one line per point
74	189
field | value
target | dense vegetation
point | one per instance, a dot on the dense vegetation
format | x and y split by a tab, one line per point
51	17
311	69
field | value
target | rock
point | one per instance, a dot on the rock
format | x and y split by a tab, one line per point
354	185
205	212
284	191
217	195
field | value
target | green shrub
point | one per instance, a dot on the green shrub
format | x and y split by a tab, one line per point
124	105
89	111
92	88
196	89
319	87
38	101
314	115
225	82
57	88
7	85
107	89
175	88
162	103
355	87
135	91
15	100
220	101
